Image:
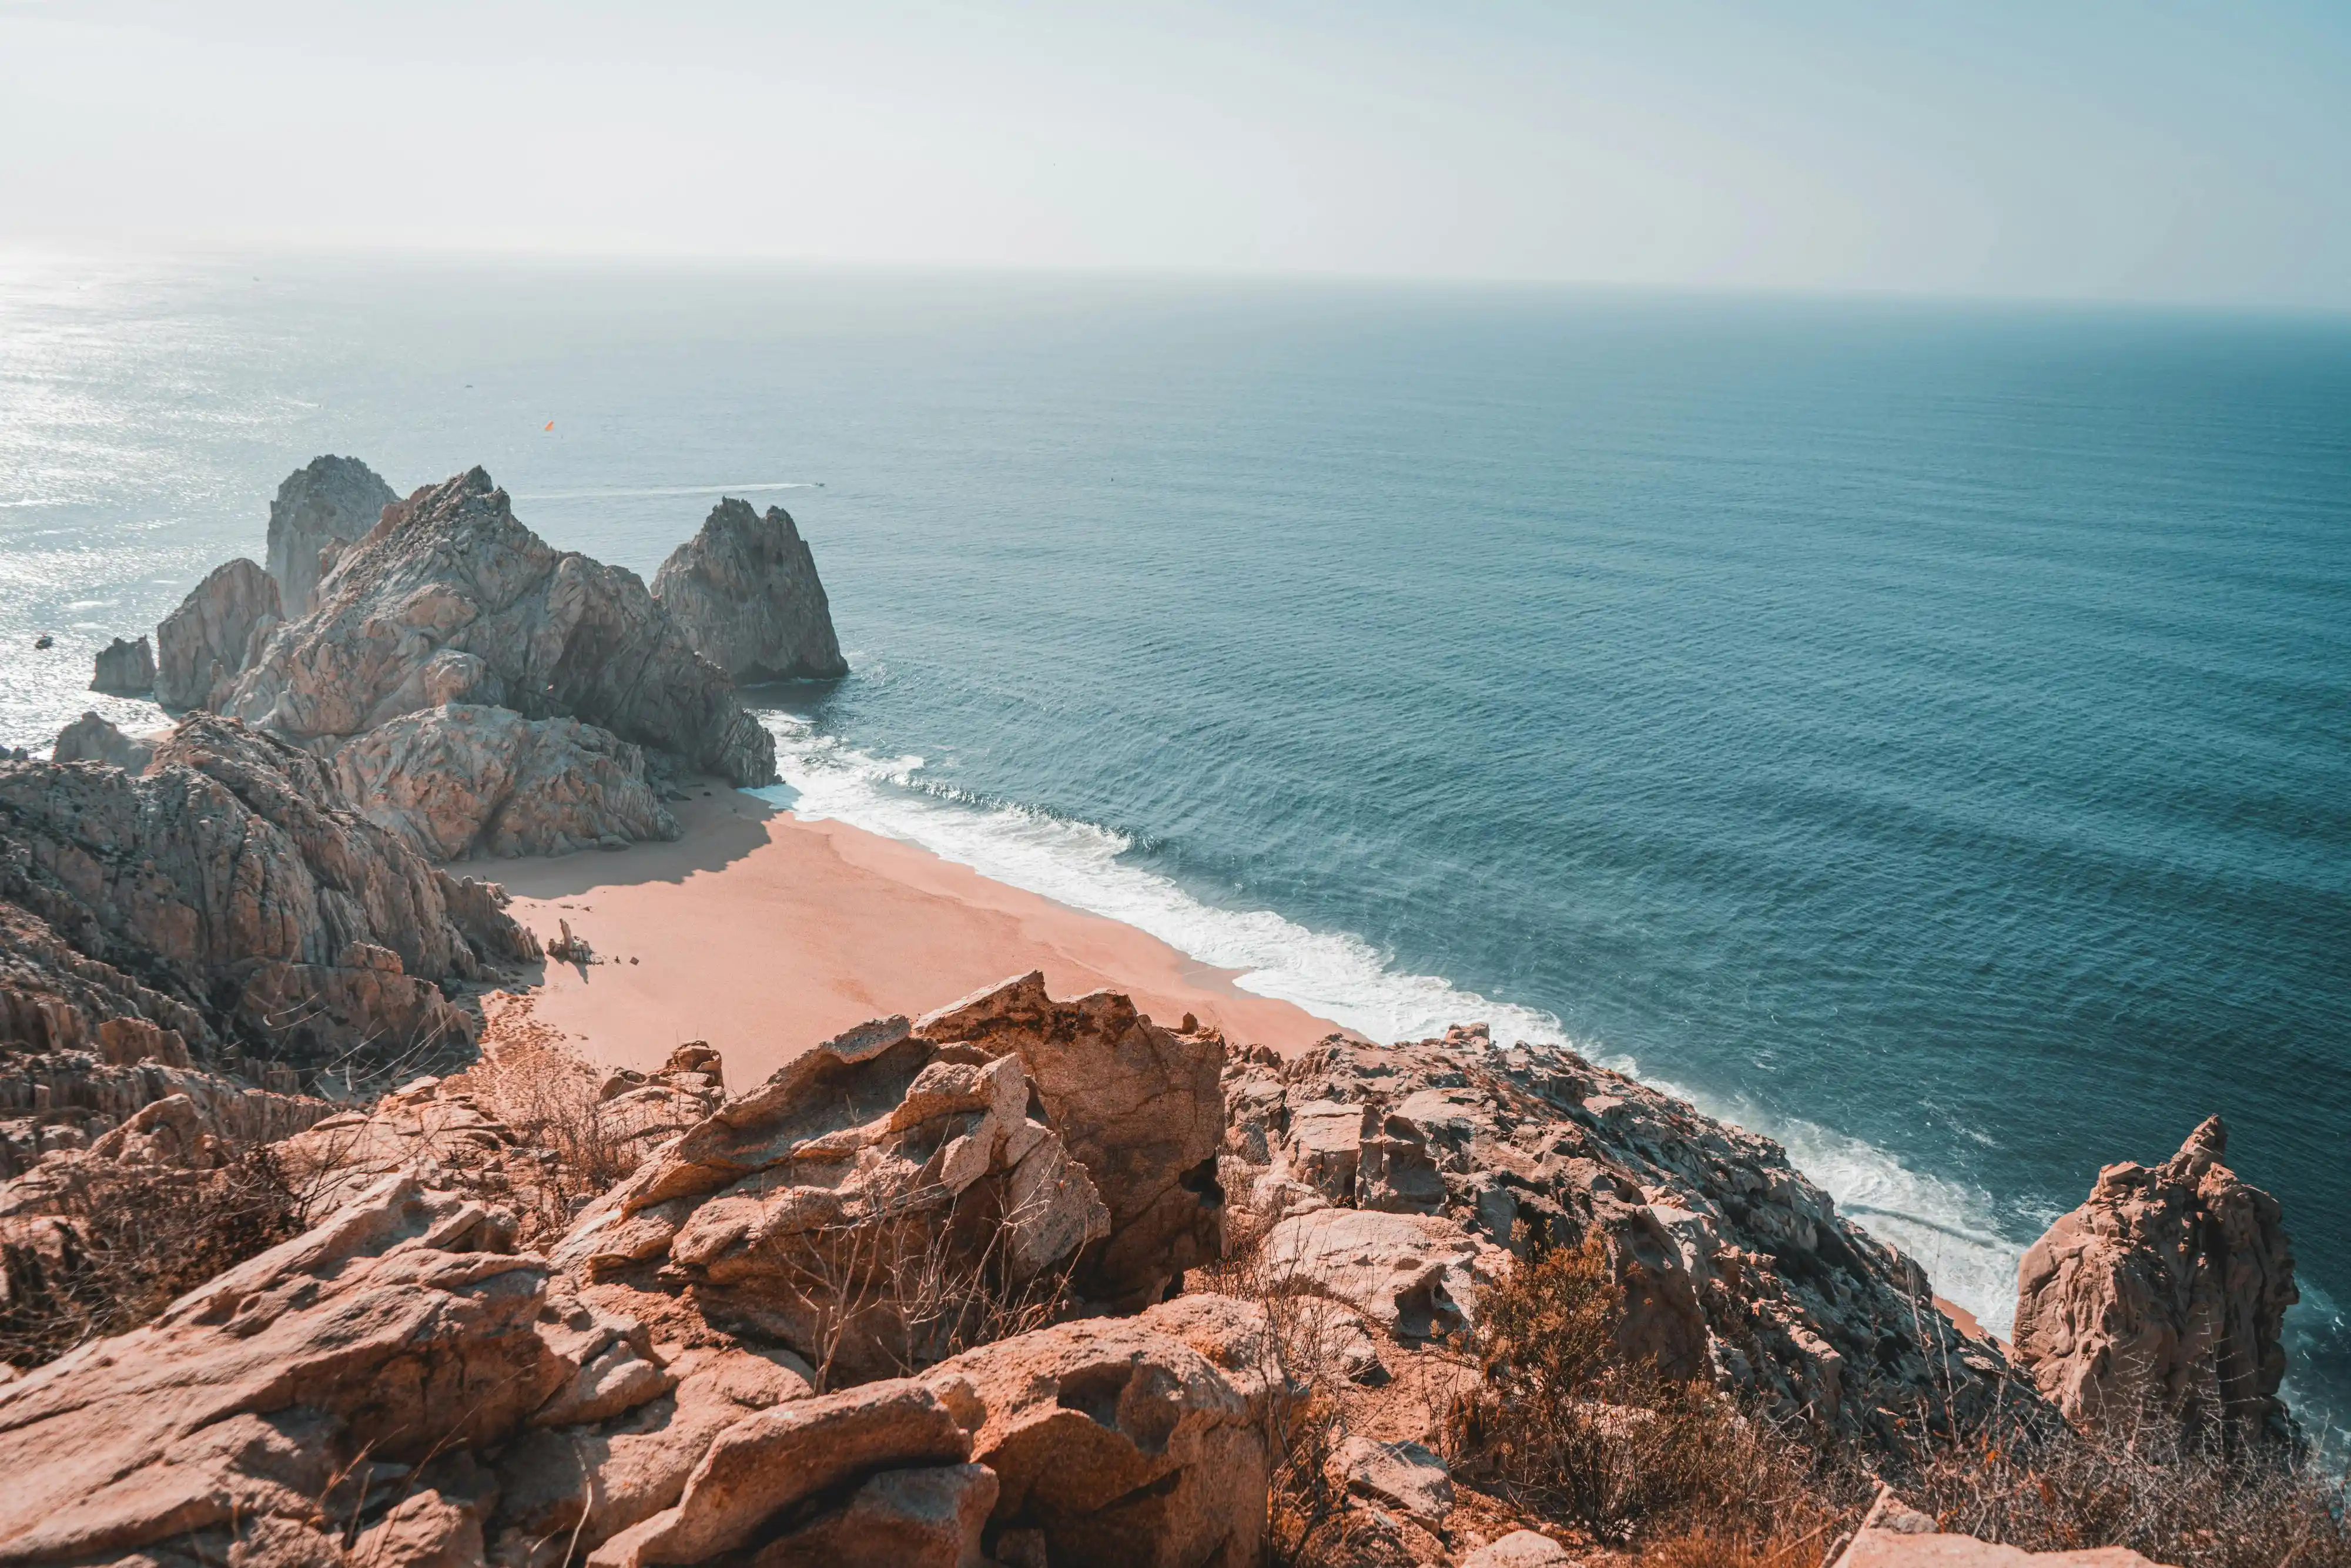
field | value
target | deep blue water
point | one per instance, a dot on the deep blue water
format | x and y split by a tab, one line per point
1921	731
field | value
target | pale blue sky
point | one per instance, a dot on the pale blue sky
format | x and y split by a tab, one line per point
2158	152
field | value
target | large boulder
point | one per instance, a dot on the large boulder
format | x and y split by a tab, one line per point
324	506
1140	1107
125	668
227	893
263	1404
215	634
1393	1178
449	599
464	779
90	739
871	1206
745	590
1124	1445
2166	1293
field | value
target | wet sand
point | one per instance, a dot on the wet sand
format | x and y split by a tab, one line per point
763	934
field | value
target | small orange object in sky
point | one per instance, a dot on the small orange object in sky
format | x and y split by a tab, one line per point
550	424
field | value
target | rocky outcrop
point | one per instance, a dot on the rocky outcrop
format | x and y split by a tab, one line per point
2165	1293
124	668
228	895
1396	1179
328	504
461	780
859	1207
449	599
66	1101
745	591
216	632
90	739
1141	1108
1894	1535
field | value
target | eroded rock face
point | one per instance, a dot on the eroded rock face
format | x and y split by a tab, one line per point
463	779
331	502
263	1407
2166	1292
745	590
90	739
448	599
1141	1108
228	895
125	668
215	634
1118	1440
857	1206
1394	1177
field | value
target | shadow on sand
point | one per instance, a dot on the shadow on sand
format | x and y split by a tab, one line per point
714	832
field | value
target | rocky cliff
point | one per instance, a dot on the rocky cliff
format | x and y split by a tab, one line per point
215	634
746	592
324	506
449	599
2163	1296
228	898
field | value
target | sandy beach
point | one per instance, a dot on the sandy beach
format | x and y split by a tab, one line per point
762	933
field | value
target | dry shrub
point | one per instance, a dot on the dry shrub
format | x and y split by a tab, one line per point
552	1098
2192	1503
117	1244
1567	1428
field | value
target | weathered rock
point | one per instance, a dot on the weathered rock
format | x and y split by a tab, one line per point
124	668
2166	1292
1403	1476
1119	1441
764	1465
216	632
1416	1276
72	1100
745	590
1893	1535
1393	1171
257	914
928	1518
1140	1107
90	739
461	780
449	599
859	1206
1520	1549
395	1332
331	502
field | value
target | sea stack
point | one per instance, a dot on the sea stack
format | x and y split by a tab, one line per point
216	632
125	668
746	592
2164	1294
328	504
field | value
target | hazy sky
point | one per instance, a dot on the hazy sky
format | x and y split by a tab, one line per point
2126	151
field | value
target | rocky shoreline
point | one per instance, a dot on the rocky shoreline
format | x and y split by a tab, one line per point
1024	1281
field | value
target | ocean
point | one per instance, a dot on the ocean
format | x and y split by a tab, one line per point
1918	731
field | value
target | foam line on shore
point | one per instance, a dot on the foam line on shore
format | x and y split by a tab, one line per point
1946	1227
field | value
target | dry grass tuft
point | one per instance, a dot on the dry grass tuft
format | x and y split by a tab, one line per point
118	1243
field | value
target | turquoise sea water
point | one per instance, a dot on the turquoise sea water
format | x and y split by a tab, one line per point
1922	732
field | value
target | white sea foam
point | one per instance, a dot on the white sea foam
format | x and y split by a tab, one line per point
1946	1227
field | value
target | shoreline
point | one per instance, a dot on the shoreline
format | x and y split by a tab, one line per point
764	934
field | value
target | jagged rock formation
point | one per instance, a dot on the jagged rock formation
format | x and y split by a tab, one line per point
449	599
90	739
464	779
801	1208
66	1101
1894	1535
327	504
1141	1109
1396	1178
746	592
124	668
227	896
216	632
2164	1294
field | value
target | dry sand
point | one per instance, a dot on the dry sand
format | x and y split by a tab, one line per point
763	934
